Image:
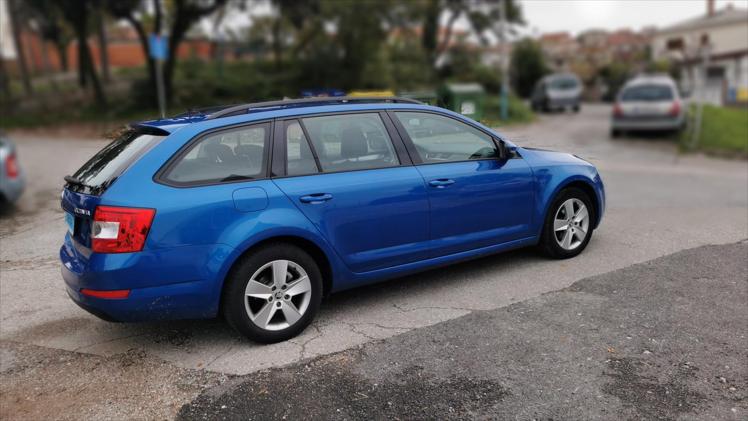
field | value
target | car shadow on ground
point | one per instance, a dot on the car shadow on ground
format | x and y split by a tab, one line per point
206	335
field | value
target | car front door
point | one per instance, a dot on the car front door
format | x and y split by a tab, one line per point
347	175
477	198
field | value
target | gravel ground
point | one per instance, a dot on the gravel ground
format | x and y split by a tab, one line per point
665	339
39	383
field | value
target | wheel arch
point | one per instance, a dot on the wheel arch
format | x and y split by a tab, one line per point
582	184
309	246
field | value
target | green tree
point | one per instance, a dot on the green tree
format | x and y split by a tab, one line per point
77	13
48	19
527	66
482	16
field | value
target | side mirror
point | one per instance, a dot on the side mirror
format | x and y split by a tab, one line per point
503	152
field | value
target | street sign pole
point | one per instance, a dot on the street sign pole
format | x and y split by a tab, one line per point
160	87
158	54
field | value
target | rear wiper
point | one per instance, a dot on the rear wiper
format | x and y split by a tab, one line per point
72	180
234	177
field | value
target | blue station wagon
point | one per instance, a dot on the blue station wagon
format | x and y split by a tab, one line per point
256	212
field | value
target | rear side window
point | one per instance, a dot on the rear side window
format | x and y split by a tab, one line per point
647	93
235	154
111	161
351	142
443	139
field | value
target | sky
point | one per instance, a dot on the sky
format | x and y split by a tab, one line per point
575	16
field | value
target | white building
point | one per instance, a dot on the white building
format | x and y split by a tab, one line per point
722	36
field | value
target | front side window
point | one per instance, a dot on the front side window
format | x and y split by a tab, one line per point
351	142
235	154
299	157
443	139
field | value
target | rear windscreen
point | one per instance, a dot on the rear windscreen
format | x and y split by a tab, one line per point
648	93
563	83
111	161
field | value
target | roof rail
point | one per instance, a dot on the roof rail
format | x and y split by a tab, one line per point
290	103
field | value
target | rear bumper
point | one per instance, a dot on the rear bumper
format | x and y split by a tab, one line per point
176	283
563	102
665	123
11	189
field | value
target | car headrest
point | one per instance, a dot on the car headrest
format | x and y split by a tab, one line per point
220	153
354	143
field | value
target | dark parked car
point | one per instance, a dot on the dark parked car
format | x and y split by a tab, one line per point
558	91
257	211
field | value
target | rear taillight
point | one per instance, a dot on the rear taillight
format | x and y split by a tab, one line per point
11	166
675	109
120	230
117	294
617	110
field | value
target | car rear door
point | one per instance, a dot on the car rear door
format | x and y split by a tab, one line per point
476	198
353	179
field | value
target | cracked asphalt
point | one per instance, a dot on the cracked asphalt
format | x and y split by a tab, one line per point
665	339
659	202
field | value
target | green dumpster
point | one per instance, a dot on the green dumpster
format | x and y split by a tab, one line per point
427	97
464	98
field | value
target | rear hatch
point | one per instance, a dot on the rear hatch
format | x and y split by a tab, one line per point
564	88
648	101
84	189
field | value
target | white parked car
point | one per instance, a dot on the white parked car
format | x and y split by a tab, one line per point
12	179
648	103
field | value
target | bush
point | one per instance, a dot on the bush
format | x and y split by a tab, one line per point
519	112
528	66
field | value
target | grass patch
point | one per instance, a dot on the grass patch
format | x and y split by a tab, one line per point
723	131
519	112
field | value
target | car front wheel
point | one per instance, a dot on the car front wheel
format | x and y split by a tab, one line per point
568	224
273	293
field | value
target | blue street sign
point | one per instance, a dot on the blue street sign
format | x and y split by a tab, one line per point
157	45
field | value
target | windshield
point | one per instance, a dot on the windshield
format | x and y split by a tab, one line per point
648	93
563	83
109	162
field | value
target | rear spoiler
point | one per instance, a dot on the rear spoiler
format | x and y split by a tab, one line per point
146	129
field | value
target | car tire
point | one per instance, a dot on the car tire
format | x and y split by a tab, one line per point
552	239
614	133
576	108
264	311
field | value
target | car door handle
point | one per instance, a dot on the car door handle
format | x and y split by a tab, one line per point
316	198
441	183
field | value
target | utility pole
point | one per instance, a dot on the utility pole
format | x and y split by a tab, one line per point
705	56
504	62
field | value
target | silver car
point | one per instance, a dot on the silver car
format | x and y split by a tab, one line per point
648	103
557	92
11	175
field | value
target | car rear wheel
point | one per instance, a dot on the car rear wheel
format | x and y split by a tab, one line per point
568	224
273	293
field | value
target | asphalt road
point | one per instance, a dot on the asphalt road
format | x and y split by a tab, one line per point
665	339
659	202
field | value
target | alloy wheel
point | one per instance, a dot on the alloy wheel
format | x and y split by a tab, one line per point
571	224
277	295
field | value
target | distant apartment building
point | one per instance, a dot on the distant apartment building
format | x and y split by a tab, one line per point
590	51
560	49
720	36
